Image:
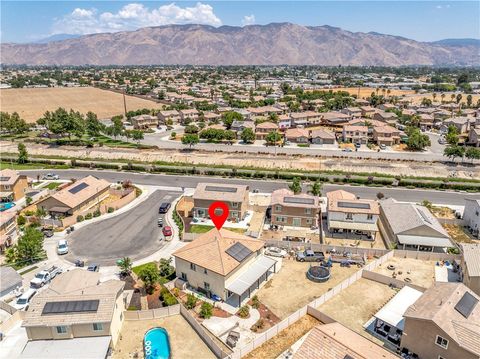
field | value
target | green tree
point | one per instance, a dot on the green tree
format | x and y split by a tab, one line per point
22	153
165	267
190	139
191	301
469	100
206	310
247	135
472	153
273	138
191	129
125	265
137	135
150	276
316	188
452	135
29	248
459	98
229	117
92	125
454	151
296	185
417	141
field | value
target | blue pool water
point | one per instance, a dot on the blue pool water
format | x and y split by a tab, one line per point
156	344
6	205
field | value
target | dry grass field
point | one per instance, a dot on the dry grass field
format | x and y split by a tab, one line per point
31	103
365	92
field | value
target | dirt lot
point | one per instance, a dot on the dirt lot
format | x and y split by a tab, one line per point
377	244
365	92
296	290
283	340
184	342
458	234
31	103
422	273
354	306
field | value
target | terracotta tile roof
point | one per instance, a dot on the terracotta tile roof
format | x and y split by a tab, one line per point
214	192
209	250
296	132
338	201
350	128
278	197
267	126
334	341
323	134
8	177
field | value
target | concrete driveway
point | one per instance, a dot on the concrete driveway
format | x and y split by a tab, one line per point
133	234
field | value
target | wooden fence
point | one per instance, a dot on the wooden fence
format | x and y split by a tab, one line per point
151	313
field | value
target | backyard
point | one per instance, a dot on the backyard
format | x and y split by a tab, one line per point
296	290
458	233
419	272
184	341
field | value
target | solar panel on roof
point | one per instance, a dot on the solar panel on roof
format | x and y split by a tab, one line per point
73	306
78	188
466	305
299	200
238	252
221	189
4	179
424	216
354	205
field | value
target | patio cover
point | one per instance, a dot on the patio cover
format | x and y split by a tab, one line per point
77	348
258	268
59	209
5	194
424	241
392	312
355	226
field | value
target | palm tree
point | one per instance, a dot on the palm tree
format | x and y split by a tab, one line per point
125	265
442	96
452	96
434	95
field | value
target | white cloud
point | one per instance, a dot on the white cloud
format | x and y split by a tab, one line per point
133	16
248	20
443	6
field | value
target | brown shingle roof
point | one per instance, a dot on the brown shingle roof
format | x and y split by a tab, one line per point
204	191
340	196
8	177
278	197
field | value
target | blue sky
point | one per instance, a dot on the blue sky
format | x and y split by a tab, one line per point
26	21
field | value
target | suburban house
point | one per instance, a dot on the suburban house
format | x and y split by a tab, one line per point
144	121
306	118
77	313
296	210
235	196
225	264
11	280
212	116
334	118
474	136
386	135
346	214
12	185
443	323
8	230
264	128
334	340
367	111
296	135
187	116
263	111
470	266
462	124
167	116
322	137
239	126
352	112
412	226
426	121
284	122
471	216
355	134
386	117
81	195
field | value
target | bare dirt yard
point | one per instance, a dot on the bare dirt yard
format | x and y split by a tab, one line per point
365	92
459	234
184	342
420	272
354	306
31	103
284	340
290	289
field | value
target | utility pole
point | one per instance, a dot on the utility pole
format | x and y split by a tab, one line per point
124	104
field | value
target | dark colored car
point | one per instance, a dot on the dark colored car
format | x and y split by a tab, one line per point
93	267
47	232
167	231
164	207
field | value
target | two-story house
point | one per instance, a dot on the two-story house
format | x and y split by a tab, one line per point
8	230
264	128
189	115
235	196
386	135
12	185
172	116
355	134
471	216
296	210
224	263
144	121
346	213
470	265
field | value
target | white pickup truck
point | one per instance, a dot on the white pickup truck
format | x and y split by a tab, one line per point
45	276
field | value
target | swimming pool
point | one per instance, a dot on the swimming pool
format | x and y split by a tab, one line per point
156	344
6	205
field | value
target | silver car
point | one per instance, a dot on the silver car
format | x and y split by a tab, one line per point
275	252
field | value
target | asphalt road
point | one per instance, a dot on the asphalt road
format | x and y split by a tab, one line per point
134	233
401	194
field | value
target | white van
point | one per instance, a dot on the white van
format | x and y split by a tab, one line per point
62	247
24	300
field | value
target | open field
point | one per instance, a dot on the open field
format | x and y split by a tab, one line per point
365	92
31	103
420	272
354	306
295	288
184	342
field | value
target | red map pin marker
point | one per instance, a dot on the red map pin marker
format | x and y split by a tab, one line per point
218	219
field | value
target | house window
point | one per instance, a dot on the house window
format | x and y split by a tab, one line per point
308	211
193	267
205	271
61	329
184	276
349	216
280	219
309	221
234	204
206	285
369	216
441	342
278	208
97	327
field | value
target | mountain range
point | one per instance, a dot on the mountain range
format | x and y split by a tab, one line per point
272	44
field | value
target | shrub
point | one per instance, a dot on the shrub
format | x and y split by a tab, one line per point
244	311
80	218
191	301
96	213
29	213
176	292
206	310
28	200
110	209
21	220
255	302
169	299
89	216
258	325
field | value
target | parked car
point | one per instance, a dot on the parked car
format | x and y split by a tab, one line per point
62	247
358	145
164	207
45	276
167	231
93	268
442	140
23	302
50	176
347	149
383	147
47	232
309	255
275	252
79	263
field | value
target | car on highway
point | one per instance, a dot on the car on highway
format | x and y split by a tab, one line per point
62	247
167	231
93	268
164	207
50	176
275	252
23	302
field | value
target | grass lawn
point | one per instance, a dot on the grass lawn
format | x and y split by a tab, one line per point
29	166
139	268
199	228
53	185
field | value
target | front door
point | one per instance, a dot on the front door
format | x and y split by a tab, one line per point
297	222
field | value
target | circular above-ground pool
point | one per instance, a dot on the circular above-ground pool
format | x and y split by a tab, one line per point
318	274
156	344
